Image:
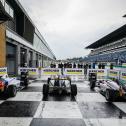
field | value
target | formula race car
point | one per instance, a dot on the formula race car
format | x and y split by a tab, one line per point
112	90
9	86
59	85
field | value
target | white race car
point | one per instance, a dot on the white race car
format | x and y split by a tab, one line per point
59	85
8	85
112	90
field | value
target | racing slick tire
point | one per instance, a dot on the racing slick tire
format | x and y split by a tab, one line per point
45	90
12	91
109	95
73	90
26	82
48	81
92	85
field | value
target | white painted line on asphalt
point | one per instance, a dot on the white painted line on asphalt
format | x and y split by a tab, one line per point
121	105
58	110
90	97
27	96
105	122
5	121
39	111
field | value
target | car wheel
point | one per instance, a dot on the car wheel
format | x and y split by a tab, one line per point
92	85
45	89
73	90
109	95
12	91
26	82
48	81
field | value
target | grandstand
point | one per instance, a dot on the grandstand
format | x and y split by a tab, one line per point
111	48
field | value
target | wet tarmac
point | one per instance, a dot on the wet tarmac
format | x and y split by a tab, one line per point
18	108
100	110
32	89
88	108
57	122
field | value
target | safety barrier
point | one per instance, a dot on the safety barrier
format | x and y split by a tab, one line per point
123	75
104	73
75	74
101	73
3	71
49	72
114	74
33	72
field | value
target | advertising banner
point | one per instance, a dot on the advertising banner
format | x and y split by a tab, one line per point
101	73
114	73
51	71
31	71
74	72
3	71
123	76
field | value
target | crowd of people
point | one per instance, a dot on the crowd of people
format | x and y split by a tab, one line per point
79	65
69	65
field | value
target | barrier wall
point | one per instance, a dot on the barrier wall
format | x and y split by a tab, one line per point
123	75
75	74
33	72
114	74
101	73
49	72
3	71
104	74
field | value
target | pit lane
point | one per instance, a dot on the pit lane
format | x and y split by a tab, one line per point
88	108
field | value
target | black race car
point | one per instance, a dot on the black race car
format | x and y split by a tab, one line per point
59	85
112	90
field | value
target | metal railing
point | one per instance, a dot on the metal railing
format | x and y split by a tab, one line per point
8	8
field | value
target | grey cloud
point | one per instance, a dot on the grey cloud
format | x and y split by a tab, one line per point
70	25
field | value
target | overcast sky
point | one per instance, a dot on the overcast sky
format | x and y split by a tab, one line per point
70	25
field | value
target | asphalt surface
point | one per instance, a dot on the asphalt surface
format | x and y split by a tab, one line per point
88	108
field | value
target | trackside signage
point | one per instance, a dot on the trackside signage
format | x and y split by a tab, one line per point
74	72
3	71
31	71
51	71
101	73
123	75
113	73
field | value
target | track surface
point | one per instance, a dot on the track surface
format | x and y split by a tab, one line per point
89	108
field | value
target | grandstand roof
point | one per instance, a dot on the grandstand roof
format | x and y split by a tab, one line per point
112	37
